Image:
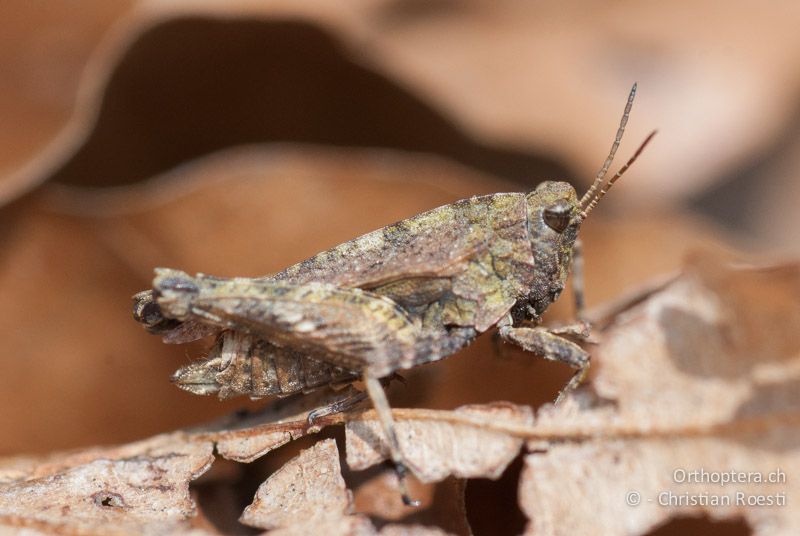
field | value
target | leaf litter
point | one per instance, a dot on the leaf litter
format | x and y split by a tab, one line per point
700	373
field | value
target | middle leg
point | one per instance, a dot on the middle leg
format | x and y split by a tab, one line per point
384	411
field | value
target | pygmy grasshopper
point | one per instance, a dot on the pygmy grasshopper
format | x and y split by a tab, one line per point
410	293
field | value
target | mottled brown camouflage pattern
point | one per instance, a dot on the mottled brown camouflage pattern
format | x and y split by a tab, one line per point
412	292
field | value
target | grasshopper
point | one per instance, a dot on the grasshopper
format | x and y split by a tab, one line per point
407	294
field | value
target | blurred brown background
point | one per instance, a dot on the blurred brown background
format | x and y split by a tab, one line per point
235	139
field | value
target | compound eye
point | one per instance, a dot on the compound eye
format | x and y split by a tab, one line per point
558	215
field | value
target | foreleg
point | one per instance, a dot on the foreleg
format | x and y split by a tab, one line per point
553	347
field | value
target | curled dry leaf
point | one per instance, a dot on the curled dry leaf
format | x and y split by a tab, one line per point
250	444
47	92
435	449
524	75
701	376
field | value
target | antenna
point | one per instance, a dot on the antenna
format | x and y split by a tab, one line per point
604	190
598	180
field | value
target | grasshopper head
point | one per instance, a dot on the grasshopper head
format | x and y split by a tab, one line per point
555	214
554	217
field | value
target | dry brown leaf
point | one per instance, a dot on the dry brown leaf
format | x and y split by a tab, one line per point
47	96
142	488
132	77
441	504
246	449
247	438
309	489
377	495
518	74
435	450
702	376
500	69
